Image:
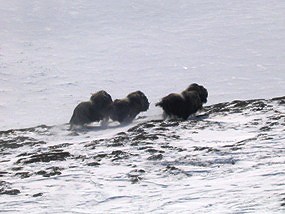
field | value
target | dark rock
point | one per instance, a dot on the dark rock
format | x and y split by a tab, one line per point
208	149
41	172
38	194
5	188
63	145
3	173
100	156
93	164
23	174
155	157
45	157
118	155
265	128
144	136
136	128
11	192
148	125
152	151
161	129
15	142
50	171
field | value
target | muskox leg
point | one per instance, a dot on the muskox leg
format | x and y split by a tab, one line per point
104	123
164	115
76	120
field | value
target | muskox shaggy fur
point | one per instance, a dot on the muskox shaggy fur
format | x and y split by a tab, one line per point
125	110
183	105
96	109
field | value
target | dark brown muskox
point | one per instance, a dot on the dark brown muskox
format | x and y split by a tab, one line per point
125	110
96	109
183	105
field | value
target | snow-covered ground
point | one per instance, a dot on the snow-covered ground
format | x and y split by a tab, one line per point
55	53
229	162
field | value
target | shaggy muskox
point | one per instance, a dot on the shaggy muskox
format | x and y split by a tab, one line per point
125	110
183	105
96	109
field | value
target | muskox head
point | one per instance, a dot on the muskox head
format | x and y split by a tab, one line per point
203	93
138	100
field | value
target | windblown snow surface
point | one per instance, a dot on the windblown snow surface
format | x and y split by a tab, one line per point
228	159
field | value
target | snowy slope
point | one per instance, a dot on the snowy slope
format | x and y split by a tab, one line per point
231	161
54	54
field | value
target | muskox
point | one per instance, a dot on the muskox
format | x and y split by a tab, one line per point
125	110
184	104
96	109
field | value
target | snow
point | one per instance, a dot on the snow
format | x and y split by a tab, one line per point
55	53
